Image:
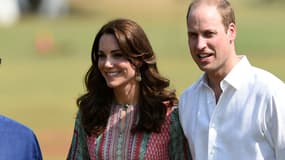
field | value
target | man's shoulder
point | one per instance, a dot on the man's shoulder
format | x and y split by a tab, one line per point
266	78
193	87
17	141
9	125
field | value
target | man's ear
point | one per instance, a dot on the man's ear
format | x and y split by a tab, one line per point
231	32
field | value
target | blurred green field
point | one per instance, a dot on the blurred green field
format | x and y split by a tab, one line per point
40	89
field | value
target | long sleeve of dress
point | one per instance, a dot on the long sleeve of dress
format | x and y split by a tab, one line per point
178	147
78	149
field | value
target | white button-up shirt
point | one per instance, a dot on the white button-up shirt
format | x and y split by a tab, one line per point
247	123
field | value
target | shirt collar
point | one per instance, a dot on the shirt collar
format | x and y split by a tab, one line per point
240	71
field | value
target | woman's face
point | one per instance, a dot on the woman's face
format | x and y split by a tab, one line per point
113	65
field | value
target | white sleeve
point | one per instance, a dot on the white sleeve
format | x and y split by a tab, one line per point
275	123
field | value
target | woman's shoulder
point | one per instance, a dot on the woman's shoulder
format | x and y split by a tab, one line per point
171	109
173	112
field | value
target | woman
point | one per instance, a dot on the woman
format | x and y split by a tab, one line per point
128	111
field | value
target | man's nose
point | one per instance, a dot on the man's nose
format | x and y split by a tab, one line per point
201	43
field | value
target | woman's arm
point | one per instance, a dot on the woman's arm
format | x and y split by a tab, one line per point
78	149
178	147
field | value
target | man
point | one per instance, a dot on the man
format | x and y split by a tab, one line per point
17	142
234	111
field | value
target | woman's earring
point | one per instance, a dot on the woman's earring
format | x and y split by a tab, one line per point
138	76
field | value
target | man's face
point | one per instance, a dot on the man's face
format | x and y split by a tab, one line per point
208	40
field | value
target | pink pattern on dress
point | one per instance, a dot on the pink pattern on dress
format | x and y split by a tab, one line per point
157	144
91	140
157	148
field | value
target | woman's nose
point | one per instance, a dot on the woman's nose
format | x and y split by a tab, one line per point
108	62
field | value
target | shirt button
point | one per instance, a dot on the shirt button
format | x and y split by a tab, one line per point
213	132
211	154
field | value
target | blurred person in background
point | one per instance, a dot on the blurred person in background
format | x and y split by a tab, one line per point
234	111
128	111
29	6
48	8
54	8
17	142
9	12
12	10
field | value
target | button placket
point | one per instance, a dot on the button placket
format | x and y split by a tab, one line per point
212	128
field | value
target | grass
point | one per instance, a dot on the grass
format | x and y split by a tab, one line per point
39	89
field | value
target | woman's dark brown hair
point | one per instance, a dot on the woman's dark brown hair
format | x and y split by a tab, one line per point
95	105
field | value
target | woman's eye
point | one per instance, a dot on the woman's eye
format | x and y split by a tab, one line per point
118	55
192	36
101	55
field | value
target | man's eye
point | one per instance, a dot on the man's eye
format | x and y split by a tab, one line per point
209	34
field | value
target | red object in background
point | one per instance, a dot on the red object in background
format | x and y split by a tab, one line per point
44	42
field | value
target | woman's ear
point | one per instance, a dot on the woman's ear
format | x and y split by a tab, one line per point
137	64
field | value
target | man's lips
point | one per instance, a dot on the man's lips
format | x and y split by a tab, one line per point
204	55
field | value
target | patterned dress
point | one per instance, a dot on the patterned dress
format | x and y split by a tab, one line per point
118	143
